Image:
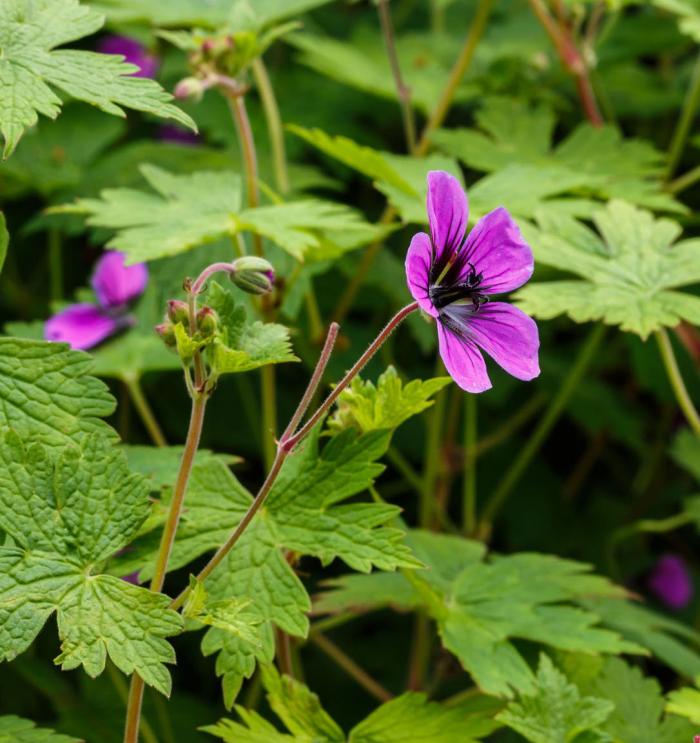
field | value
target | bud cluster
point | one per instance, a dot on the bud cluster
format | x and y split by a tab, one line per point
178	313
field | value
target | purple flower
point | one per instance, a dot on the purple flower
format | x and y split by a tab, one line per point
453	280
132	51
116	286
178	135
670	581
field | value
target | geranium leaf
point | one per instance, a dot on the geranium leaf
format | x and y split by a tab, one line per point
47	394
629	275
16	730
192	209
68	511
556	712
32	66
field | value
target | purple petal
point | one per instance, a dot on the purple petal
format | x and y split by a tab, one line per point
418	260
499	252
178	135
463	361
116	284
81	325
670	581
505	332
132	51
448	213
132	578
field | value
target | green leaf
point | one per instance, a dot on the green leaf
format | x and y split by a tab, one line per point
686	703
594	160
46	392
412	717
305	513
240	345
4	240
31	66
477	619
629	275
556	712
192	209
68	511
670	641
16	730
409	717
385	406
688	14
686	452
639	704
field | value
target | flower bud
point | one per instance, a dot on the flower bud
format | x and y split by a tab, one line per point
178	311
253	275
207	321
166	332
189	87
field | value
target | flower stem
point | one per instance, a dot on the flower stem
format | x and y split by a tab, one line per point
133	384
437	117
676	380
571	59
436	417
684	181
680	134
403	91
199	283
377	343
469	484
55	265
194	432
289	439
268	394
538	436
274	123
370	685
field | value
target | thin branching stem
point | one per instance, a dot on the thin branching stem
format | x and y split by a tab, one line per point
676	379
149	420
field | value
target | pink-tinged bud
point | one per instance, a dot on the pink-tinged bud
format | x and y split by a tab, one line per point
190	87
166	332
207	321
178	311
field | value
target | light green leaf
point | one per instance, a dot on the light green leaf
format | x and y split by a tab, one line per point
46	392
477	619
686	703
629	274
412	717
240	345
385	406
639	704
688	14
31	66
16	730
192	209
556	712
69	511
596	161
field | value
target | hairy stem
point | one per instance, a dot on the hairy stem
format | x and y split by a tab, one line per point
676	380
370	685
268	393
402	90
685	122
133	384
469	484
274	124
571	58
537	437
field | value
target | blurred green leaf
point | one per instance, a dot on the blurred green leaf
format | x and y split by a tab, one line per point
686	451
16	730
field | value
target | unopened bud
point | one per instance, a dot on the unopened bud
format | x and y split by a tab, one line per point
178	311
189	87
166	332
207	321
253	275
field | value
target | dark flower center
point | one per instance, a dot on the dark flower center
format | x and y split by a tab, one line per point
441	295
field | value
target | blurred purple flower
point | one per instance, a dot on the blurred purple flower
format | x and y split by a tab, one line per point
453	280
132	578
670	581
178	135
132	51
116	286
